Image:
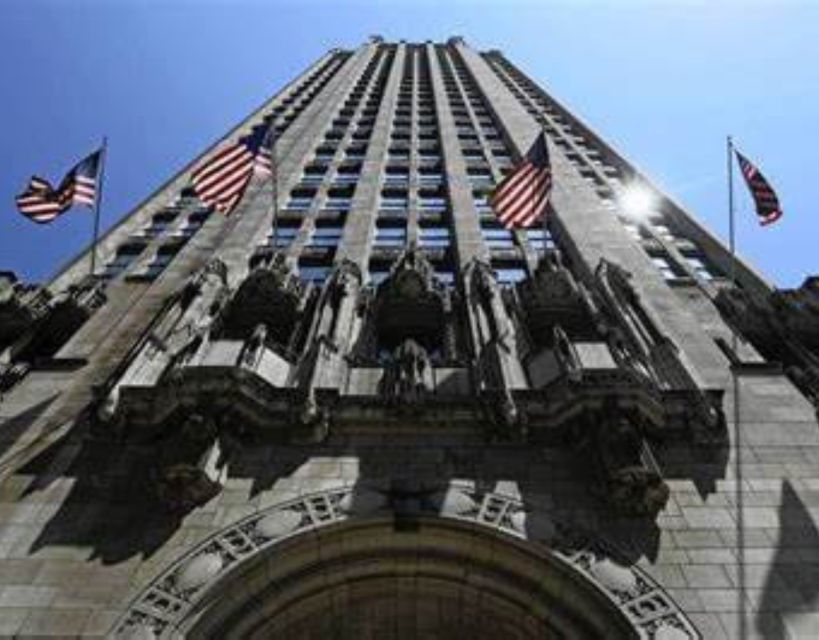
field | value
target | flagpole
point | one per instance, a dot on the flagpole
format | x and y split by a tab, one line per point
97	201
738	476
546	205
274	191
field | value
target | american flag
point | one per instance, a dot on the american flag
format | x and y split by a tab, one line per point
221	180
521	197
42	203
767	204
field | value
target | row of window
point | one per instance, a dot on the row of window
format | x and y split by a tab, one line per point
133	248
606	180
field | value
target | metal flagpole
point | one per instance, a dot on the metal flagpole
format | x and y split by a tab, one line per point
97	200
274	191
551	187
742	626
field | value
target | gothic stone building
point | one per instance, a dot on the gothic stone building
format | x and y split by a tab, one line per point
385	416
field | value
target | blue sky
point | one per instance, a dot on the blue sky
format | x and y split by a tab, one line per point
663	81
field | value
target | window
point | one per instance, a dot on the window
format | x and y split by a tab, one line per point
663	231
391	236
399	152
195	222
540	239
125	255
325	154
349	169
325	237
396	175
434	237
498	238
665	266
430	175
433	201
164	255
313	273
633	229
284	236
301	199
510	275
394	200
481	202
378	276
160	223
356	152
430	153
700	267
311	179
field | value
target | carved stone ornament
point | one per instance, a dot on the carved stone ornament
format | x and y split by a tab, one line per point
407	378
410	303
192	464
51	320
783	326
20	306
552	297
272	295
186	587
625	468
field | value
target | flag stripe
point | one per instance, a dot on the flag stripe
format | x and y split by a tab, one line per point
765	199
41	203
220	182
521	198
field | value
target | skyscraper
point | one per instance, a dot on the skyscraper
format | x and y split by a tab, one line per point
358	407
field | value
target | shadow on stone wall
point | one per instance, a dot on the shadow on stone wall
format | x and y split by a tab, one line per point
12	428
112	507
792	584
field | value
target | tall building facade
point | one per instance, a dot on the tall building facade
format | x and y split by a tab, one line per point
379	414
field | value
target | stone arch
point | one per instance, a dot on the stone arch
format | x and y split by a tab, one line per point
358	560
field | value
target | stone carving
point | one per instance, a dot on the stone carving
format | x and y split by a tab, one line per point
21	305
176	337
410	304
11	373
34	324
314	419
407	378
495	346
553	297
626	469
783	326
490	319
640	345
252	348
336	304
192	464
184	587
271	295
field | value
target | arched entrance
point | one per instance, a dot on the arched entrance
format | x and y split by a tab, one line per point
352	563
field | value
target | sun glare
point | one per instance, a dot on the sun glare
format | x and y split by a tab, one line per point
637	201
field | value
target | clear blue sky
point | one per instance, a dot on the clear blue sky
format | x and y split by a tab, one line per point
664	82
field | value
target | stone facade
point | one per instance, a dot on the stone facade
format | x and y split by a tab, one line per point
378	414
